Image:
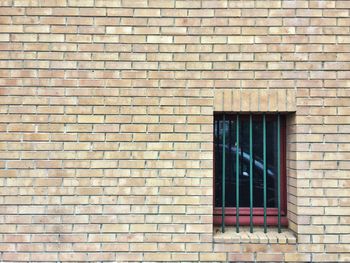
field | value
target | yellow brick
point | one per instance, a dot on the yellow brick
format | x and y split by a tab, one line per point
212	257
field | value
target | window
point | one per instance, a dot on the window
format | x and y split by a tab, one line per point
250	174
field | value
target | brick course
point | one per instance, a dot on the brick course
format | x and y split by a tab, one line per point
106	125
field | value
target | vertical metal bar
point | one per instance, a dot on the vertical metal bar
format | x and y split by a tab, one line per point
223	172
251	171
264	157
237	174
279	171
229	147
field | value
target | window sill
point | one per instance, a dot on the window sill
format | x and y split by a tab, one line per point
257	237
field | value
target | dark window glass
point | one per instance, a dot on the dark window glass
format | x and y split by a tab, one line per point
244	159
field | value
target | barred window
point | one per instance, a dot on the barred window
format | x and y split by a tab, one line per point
250	170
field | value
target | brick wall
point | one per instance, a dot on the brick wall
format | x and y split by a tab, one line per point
106	125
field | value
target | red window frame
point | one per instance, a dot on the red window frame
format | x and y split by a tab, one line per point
258	212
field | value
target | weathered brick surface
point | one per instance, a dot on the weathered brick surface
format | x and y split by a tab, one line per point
106	124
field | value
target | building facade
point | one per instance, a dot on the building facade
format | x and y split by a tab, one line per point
107	117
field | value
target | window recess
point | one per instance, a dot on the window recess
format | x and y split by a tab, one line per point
249	170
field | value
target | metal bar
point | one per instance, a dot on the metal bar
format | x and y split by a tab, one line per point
279	171
264	157
251	171
229	147
237	174
223	172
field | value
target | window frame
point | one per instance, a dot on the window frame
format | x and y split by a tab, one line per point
258	212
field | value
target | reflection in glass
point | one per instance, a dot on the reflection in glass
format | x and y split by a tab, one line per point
244	159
